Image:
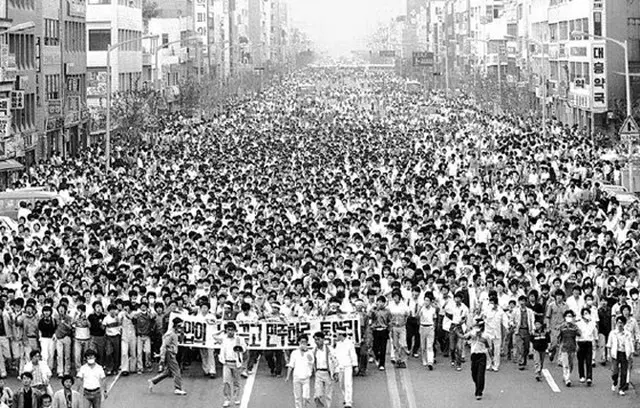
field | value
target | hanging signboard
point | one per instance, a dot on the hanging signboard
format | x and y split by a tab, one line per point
599	75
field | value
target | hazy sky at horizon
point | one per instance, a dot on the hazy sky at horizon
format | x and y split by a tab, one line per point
340	25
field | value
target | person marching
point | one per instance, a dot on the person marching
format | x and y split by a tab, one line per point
168	358
233	347
347	360
480	349
325	371
301	365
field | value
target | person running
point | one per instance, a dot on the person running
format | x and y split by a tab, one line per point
480	349
301	363
168	358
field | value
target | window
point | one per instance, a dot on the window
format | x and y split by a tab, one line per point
23	47
99	1
597	23
634	50
585	72
25	4
563	33
165	39
553	32
51	32
99	40
74	39
52	86
201	17
24	119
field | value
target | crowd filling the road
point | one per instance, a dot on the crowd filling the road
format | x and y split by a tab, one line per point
451	233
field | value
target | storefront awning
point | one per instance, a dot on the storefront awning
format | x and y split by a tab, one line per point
10	165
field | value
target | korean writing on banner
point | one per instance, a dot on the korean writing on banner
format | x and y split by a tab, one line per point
599	75
264	335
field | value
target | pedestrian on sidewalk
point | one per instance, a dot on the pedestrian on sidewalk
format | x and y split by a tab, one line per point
480	350
93	379
168	353
301	366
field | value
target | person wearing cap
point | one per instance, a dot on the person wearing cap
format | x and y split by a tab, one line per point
67	397
480	350
347	361
457	313
168	358
231	356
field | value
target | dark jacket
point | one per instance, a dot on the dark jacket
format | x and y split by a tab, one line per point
19	397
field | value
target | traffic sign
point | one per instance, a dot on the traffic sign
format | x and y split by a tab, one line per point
630	128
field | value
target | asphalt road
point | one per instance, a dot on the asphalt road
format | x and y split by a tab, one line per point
414	387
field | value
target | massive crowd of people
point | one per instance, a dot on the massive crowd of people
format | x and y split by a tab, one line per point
420	213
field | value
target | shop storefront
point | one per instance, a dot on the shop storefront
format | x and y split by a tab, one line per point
53	137
10	172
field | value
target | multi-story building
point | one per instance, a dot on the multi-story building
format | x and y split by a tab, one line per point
110	22
279	32
61	76
20	113
259	32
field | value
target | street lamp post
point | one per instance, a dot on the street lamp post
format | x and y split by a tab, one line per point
625	46
544	84
107	148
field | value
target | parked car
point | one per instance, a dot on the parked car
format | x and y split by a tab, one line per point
621	194
10	200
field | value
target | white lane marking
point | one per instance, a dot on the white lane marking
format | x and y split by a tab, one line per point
550	380
248	386
408	387
392	385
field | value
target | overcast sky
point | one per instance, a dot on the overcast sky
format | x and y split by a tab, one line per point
339	24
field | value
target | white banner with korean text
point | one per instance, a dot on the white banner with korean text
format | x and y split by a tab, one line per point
265	335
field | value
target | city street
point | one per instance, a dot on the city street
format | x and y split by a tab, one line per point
411	388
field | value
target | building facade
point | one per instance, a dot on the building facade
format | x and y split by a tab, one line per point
110	22
61	73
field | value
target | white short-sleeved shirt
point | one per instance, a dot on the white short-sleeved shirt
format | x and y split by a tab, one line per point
91	376
301	363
